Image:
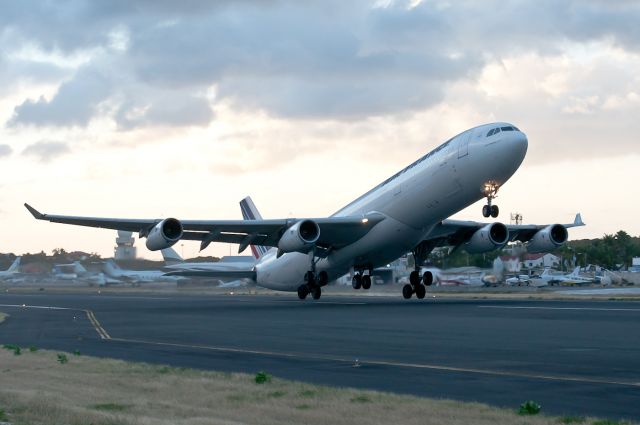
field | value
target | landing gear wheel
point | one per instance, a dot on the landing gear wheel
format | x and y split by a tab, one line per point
486	210
421	291
427	278
495	211
316	292
356	281
310	278
303	291
323	278
414	278
366	282
407	291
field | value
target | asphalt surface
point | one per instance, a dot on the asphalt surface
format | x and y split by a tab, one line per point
573	357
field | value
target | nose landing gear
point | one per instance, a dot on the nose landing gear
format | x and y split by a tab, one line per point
490	190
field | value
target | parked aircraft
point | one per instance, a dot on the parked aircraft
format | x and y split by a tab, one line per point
13	271
176	266
112	270
407	212
573	278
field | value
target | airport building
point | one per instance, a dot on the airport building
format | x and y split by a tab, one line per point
124	249
532	261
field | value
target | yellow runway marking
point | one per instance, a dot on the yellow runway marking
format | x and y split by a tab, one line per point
386	363
92	318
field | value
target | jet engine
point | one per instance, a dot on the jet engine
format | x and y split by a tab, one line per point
548	239
300	237
490	237
164	234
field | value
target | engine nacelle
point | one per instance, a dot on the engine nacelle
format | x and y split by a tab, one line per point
490	237
164	234
300	237
548	239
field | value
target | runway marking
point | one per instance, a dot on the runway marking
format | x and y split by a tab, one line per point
637	310
385	363
92	318
96	325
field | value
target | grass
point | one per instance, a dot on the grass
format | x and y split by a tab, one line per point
36	389
3	316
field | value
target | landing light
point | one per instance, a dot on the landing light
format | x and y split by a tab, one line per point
365	220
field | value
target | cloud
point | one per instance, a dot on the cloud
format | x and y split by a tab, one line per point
154	63
75	103
5	150
45	151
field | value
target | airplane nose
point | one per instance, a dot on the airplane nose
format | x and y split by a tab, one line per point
520	144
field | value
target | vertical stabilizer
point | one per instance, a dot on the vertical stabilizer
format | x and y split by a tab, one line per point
78	268
171	257
250	212
13	268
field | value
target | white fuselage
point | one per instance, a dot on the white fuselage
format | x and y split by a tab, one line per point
413	201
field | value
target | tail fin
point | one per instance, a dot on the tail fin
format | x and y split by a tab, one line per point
13	268
171	256
250	212
78	268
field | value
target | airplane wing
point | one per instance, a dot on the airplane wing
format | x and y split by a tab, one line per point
335	232
456	232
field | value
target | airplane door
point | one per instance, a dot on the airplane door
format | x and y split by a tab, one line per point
463	144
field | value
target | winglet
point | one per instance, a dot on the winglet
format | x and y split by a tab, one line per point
35	213
578	220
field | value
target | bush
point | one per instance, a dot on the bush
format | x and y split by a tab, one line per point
529	407
3	416
76	353
62	358
262	378
33	349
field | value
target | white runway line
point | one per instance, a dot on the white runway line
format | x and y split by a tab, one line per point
634	310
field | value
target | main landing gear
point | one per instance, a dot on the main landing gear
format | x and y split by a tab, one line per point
361	280
490	191
417	284
313	281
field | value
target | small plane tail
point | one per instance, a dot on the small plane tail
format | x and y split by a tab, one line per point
250	212
78	268
13	268
171	257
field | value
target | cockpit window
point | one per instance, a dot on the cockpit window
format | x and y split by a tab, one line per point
506	128
490	133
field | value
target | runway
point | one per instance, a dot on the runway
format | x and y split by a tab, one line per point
573	357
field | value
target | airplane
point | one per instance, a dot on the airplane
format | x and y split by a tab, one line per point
178	267
572	278
113	271
13	271
173	261
462	276
408	212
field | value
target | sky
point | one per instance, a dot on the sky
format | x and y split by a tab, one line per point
159	108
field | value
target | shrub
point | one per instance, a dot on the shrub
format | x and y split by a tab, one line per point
62	358
262	378
33	349
529	407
